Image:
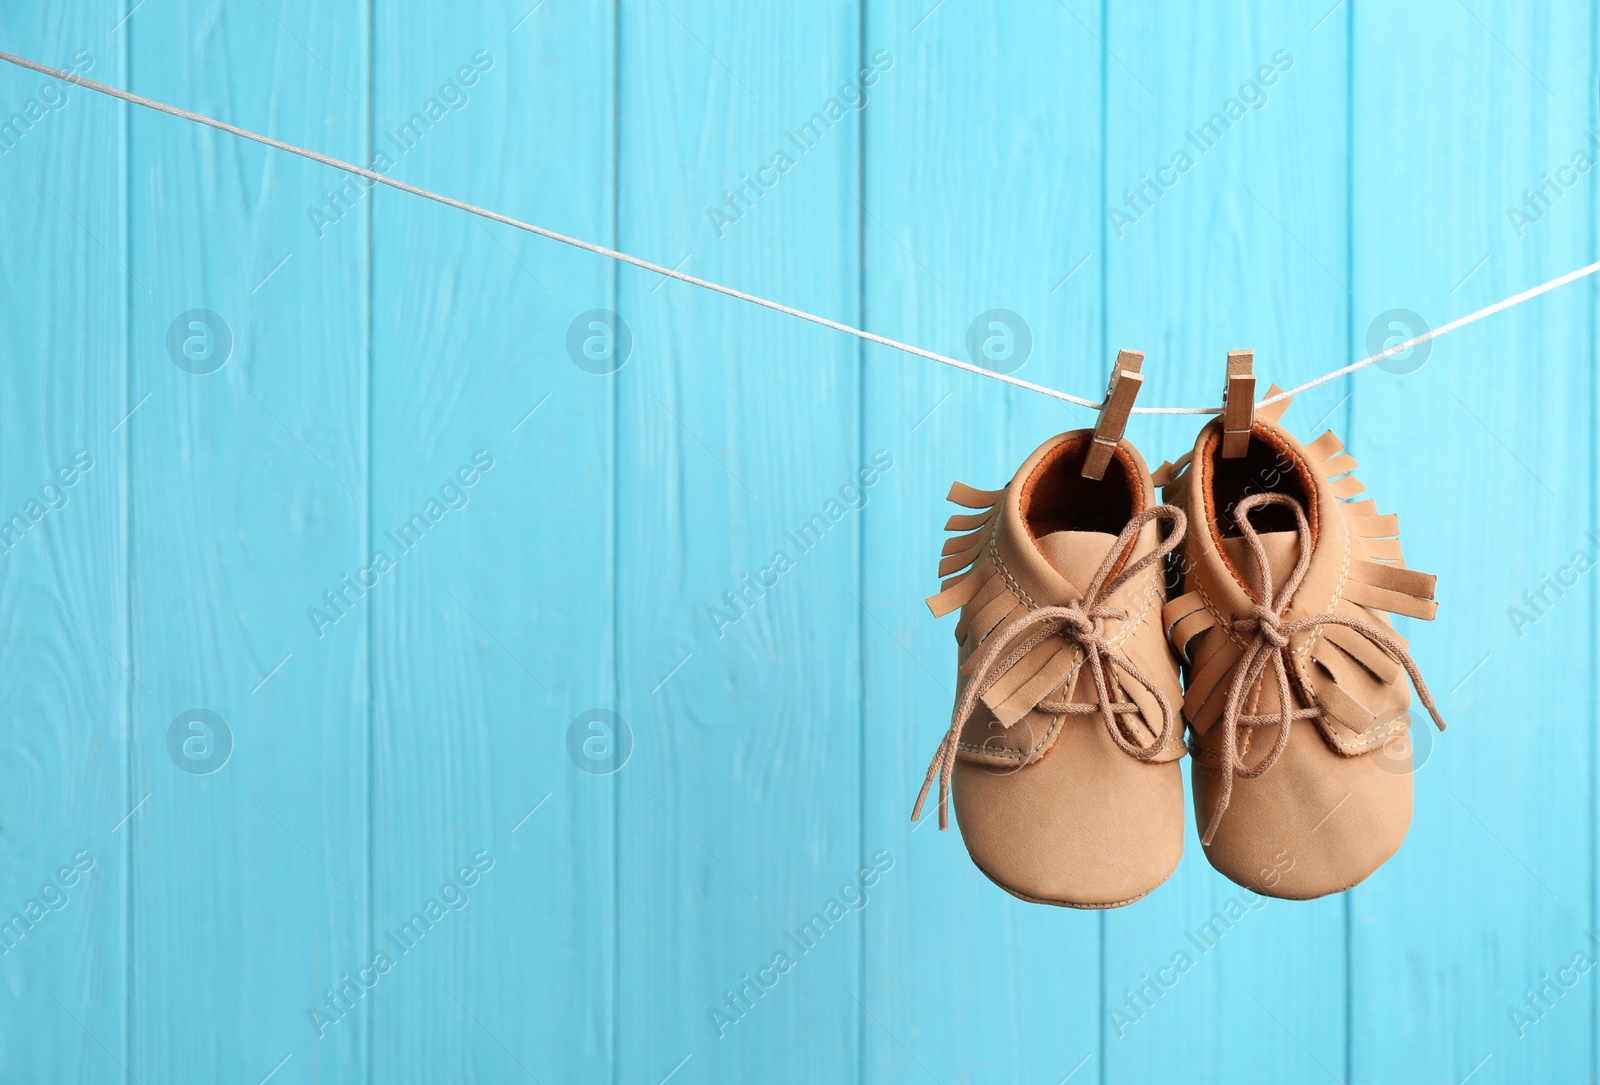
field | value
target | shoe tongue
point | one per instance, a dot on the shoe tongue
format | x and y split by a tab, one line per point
1282	552
1076	555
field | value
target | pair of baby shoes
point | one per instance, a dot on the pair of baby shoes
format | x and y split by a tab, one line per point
1067	730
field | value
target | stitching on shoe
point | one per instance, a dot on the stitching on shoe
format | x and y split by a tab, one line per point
1132	623
1338	595
1304	651
1025	758
1225	624
1005	574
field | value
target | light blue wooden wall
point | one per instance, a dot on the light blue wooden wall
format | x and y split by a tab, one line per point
385	350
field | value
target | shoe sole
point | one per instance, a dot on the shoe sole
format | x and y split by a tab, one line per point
1020	895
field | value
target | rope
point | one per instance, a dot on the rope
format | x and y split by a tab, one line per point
1444	329
706	284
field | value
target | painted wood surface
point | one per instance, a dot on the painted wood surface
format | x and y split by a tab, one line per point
458	658
508	594
64	570
248	868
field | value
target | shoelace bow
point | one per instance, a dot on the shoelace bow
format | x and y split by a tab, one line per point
1081	622
1271	644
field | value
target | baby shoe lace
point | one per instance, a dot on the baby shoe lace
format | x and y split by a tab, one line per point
1081	623
1271	645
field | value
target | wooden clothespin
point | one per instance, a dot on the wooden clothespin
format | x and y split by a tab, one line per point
1238	404
1124	386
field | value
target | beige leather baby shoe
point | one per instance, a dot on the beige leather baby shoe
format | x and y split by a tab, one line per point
1064	743
1295	693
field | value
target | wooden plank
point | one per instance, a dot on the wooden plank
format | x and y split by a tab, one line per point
250	893
63	550
738	431
983	159
1487	454
1225	212
493	634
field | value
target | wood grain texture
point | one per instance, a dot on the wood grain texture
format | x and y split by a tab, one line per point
735	431
63	561
493	632
249	892
681	531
